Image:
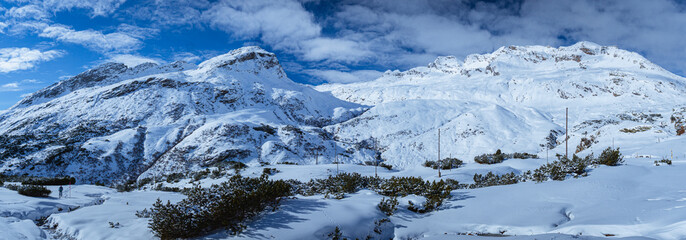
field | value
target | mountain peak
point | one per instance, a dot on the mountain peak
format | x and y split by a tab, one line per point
233	60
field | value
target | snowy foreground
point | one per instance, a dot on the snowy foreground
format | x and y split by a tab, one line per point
635	200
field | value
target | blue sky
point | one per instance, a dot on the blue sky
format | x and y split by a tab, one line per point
44	41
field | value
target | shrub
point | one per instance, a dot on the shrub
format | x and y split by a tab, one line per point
445	164
49	181
336	234
657	163
402	186
270	171
491	179
13	187
265	128
610	157
237	165
1	183
386	166
217	173
559	169
336	185
388	206
524	155
435	194
200	174
497	157
33	191
175	177
127	187
227	205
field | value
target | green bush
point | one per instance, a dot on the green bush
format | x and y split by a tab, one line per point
270	171
54	181
175	177
337	186
657	163
445	164
497	157
386	166
402	186
265	128
33	191
610	157
227	205
388	206
491	179
336	234
435	194
524	155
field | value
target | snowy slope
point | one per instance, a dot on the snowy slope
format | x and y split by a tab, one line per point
515	99
114	123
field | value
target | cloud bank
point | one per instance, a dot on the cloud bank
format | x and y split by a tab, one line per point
335	40
13	59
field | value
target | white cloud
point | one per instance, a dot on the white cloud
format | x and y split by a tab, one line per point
186	57
136	31
333	50
11	85
336	76
17	86
30	11
95	40
282	24
13	59
133	60
3	25
171	12
97	7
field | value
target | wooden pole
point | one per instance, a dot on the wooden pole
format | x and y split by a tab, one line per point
376	159
566	133
439	153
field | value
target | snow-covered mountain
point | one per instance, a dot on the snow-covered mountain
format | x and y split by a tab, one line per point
115	123
515	99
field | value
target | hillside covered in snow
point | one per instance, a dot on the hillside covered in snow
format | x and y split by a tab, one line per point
514	99
116	123
182	131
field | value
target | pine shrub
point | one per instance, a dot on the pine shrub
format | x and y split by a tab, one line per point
50	181
388	206
270	171
13	187
33	191
610	157
227	205
336	234
497	157
491	179
444	164
657	163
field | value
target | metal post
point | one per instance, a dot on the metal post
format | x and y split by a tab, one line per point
376	159
439	153
566	133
